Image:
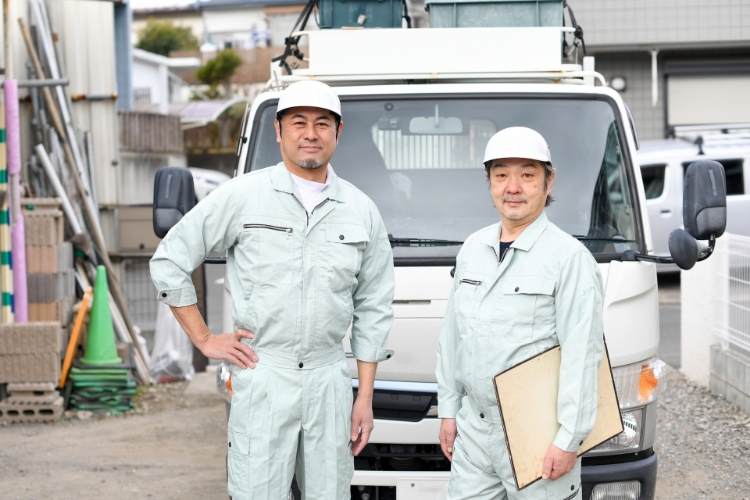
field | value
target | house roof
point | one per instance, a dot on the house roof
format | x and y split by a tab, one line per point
179	63
200	113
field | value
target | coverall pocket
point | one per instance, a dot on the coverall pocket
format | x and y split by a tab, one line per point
567	487
342	252
238	464
523	303
465	299
265	251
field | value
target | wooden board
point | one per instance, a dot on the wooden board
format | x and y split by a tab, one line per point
527	396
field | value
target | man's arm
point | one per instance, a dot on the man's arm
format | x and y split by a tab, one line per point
450	391
373	317
209	227
578	305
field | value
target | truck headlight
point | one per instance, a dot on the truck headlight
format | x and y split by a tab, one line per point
628	440
224	382
640	383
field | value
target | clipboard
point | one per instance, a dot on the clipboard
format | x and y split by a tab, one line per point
527	396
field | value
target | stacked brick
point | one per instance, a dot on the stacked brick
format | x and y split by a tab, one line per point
30	365
49	263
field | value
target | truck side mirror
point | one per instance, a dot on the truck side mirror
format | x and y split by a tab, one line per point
683	248
704	200
174	196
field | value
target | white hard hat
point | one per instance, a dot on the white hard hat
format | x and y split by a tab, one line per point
517	142
309	93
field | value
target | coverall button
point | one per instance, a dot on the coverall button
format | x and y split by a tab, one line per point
572	487
481	415
517	288
387	356
341	236
580	443
164	294
301	365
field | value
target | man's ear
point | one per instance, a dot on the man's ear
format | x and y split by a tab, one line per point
278	130
338	132
551	181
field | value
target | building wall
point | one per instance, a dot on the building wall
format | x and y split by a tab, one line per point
614	23
233	25
635	67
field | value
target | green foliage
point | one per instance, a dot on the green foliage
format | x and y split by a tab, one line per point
219	70
163	37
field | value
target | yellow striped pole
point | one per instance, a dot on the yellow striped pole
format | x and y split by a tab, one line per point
6	259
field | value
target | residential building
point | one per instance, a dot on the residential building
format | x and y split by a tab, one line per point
156	83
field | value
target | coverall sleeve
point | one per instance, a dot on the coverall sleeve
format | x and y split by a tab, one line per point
211	226
450	391
373	296
578	305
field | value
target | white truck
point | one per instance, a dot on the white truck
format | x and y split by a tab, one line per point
419	106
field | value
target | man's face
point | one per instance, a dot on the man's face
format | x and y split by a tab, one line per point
307	136
518	188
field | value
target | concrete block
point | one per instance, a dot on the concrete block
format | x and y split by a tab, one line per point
735	396
60	310
41	367
718	362
49	258
50	287
735	370
718	386
43	227
43	413
31	387
30	338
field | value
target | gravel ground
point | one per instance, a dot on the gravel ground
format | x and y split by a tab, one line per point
703	443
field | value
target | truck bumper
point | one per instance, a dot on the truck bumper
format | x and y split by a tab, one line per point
643	471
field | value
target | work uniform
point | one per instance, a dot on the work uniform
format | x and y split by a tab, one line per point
546	291
297	280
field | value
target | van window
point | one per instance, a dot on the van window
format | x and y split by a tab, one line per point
733	170
653	180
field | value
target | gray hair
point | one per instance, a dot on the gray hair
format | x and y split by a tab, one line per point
548	169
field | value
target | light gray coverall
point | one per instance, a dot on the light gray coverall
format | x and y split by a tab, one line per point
297	281
546	291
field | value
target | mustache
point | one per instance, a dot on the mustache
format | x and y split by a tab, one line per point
515	198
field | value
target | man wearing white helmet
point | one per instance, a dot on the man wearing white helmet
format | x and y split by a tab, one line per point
521	286
307	252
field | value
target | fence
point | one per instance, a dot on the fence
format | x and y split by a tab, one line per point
150	133
733	297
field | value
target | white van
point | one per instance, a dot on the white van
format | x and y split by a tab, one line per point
419	106
663	163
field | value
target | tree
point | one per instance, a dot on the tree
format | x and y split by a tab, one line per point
162	37
219	70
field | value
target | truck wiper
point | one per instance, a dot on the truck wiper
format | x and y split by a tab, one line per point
420	242
589	238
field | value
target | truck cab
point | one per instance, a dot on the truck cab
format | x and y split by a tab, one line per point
419	106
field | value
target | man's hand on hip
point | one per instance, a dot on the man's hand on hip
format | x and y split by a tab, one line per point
362	424
228	346
557	463
448	432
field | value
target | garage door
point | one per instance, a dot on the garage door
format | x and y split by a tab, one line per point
708	99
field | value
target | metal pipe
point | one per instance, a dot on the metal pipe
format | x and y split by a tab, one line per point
654	78
40	83
93	97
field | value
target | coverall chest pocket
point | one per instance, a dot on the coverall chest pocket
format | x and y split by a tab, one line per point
265	253
523	302
465	300
342	251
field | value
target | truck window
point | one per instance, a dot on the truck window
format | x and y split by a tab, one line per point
733	170
653	180
420	161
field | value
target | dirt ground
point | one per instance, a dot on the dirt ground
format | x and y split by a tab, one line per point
173	446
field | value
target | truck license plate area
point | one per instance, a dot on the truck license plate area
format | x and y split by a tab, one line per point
421	489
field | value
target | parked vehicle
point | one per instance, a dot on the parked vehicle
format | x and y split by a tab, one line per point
663	164
419	107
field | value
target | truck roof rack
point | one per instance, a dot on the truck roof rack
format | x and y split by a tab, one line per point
721	134
356	57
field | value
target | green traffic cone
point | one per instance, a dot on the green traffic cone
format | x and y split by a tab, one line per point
100	344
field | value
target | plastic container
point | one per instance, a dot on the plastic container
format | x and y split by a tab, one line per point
337	14
494	13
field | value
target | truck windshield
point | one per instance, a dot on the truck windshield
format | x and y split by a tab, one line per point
420	161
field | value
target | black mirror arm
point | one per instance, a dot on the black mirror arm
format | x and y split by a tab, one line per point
632	255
